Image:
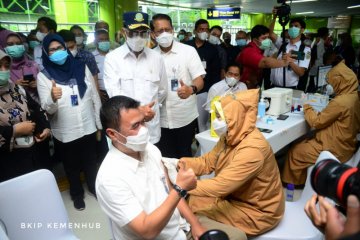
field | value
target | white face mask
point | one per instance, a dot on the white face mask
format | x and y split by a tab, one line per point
40	36
136	44
137	142
79	40
214	40
231	81
74	52
165	39
220	127
203	36
329	90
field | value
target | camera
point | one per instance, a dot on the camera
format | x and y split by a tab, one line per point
297	55
336	181
283	10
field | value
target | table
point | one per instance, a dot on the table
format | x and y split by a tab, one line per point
283	132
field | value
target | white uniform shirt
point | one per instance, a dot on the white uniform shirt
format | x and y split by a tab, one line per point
292	79
126	186
69	122
182	63
320	50
100	64
220	88
143	79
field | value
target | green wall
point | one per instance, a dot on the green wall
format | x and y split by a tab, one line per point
111	11
71	11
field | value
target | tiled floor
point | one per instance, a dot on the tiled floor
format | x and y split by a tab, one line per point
92	222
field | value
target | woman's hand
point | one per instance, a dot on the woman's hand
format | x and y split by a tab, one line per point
44	135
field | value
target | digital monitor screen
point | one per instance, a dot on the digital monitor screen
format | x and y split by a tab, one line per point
321	76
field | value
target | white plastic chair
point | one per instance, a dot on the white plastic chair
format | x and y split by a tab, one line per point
31	207
295	224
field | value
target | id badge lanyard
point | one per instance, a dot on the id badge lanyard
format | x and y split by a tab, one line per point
73	97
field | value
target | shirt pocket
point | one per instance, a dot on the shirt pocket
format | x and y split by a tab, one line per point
151	86
127	85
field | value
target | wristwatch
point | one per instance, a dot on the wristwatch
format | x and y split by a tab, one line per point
194	88
182	193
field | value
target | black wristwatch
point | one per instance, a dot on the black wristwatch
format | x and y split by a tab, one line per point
182	193
194	88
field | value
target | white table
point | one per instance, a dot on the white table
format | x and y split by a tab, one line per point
283	132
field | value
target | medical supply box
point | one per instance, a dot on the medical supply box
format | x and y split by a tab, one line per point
278	100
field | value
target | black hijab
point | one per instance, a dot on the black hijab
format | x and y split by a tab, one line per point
71	69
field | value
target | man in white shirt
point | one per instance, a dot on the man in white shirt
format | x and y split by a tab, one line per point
184	78
138	72
102	41
230	84
132	185
302	54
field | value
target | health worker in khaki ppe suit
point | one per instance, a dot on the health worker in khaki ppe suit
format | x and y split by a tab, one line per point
246	191
336	127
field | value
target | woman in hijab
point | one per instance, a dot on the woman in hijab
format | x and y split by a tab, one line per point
68	94
23	71
22	126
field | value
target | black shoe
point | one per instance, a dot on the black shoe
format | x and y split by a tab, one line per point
79	204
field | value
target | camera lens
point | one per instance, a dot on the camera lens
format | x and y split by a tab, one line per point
334	180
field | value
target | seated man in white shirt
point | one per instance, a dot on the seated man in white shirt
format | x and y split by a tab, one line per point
230	84
132	185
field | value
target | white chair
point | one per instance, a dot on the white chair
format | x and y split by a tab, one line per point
31	207
295	224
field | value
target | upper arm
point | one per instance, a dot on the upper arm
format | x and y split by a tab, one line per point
244	166
325	118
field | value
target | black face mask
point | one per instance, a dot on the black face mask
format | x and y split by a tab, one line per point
227	41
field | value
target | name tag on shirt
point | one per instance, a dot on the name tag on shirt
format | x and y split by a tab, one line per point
74	100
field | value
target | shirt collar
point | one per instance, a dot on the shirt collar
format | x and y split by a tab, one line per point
125	160
127	52
174	48
297	44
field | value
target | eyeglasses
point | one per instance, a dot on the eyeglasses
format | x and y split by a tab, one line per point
142	34
52	50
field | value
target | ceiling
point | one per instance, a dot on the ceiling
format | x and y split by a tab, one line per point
321	8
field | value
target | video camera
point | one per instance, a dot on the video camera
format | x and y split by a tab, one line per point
283	10
336	181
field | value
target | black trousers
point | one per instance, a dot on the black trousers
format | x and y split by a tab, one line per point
76	156
176	143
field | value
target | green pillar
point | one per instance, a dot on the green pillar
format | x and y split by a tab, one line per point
111	11
71	11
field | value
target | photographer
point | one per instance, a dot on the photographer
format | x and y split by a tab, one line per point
296	73
329	221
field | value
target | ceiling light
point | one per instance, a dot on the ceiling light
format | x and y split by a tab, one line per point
355	6
300	1
222	6
302	13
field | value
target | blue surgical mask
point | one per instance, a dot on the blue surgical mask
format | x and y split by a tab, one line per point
4	77
294	32
15	51
33	44
104	46
265	44
191	38
59	57
181	37
241	42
